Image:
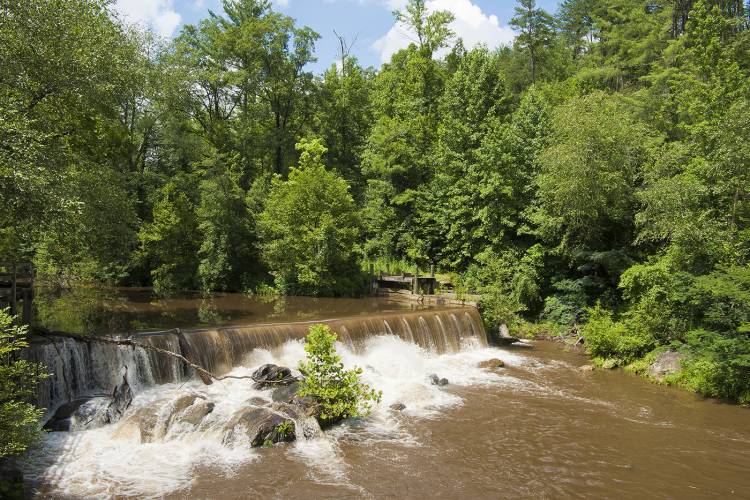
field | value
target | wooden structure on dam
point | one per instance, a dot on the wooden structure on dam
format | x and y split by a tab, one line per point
17	288
416	288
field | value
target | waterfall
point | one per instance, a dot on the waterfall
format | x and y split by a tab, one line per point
83	368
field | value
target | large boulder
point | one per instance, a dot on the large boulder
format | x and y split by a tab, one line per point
92	412
259	426
271	375
666	363
195	413
79	414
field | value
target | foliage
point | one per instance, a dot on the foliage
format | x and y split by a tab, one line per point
608	338
310	227
339	392
19	419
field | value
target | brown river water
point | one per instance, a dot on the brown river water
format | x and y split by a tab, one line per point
538	428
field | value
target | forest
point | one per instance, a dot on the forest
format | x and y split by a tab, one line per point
593	177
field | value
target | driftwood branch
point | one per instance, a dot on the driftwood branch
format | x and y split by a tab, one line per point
206	376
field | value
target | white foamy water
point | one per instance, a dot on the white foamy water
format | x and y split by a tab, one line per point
113	460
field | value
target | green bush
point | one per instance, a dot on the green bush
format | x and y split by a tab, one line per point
19	419
720	367
340	393
607	338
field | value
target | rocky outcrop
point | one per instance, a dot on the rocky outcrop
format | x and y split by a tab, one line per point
398	407
92	412
158	420
666	363
259	426
271	375
492	363
435	380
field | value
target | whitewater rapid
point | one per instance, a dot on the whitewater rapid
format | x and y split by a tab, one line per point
112	460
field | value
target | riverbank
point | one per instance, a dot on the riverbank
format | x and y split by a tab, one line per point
664	365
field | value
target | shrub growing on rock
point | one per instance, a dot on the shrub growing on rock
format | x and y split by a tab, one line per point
340	393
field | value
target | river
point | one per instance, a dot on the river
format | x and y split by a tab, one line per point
538	428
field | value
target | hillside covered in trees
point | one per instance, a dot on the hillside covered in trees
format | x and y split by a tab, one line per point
593	176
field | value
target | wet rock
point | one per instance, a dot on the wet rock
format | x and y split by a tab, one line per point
308	404
79	414
122	396
666	363
305	421
586	368
435	380
92	412
285	393
492	363
260	426
398	406
503	337
271	375
257	401
195	403
142	424
196	412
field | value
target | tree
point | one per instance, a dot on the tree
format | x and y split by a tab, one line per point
340	393
536	31
309	229
19	419
430	28
344	118
228	259
170	241
451	209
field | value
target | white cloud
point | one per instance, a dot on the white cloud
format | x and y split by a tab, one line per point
158	14
471	24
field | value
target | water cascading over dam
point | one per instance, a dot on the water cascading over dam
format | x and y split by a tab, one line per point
80	368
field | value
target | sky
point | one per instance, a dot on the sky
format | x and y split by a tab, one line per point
367	23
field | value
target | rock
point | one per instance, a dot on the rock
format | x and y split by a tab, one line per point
506	341
261	426
257	401
142	423
308	404
435	380
77	414
398	406
666	363
285	393
122	396
196	412
492	363
92	412
504	331
305	421
272	375
194	404
586	368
